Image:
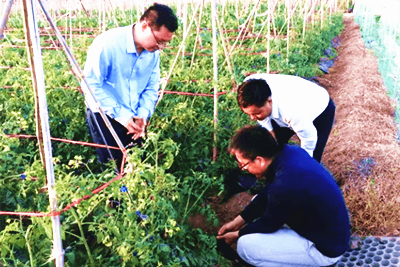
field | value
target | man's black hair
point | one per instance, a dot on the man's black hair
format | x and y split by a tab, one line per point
253	141
253	92
158	15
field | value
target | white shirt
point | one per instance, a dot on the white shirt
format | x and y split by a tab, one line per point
296	103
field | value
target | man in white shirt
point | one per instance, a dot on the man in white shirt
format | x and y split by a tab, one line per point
286	105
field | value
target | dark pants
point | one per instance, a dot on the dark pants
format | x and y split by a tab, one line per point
323	123
122	132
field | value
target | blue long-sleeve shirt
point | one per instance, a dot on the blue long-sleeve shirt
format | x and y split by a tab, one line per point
124	82
301	194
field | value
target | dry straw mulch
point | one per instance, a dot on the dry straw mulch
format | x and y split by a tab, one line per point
362	152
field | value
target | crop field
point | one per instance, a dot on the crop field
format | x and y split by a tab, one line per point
142	218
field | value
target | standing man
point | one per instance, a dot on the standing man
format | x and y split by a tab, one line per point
123	70
299	218
287	105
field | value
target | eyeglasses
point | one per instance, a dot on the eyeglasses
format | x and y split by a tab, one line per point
159	43
243	165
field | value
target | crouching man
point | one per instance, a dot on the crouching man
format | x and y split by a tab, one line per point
298	218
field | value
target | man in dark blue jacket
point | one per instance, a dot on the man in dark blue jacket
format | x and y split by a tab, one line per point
299	218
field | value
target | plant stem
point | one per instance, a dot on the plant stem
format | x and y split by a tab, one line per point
83	239
197	200
29	246
27	241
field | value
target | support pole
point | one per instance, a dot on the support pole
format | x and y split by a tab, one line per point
4	17
197	38
77	71
37	65
166	80
84	9
215	62
30	53
225	45
269	34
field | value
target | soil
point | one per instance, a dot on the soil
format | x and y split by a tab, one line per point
364	127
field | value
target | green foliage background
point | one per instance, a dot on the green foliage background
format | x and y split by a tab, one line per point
170	185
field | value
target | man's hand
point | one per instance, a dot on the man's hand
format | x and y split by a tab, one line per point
232	225
136	126
230	237
230	231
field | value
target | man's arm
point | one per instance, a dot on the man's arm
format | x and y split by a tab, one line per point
96	71
308	136
266	123
148	98
272	132
147	101
282	201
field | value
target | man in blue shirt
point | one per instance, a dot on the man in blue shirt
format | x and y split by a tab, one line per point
299	218
123	71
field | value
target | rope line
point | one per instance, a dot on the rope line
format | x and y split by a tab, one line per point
73	204
27	136
194	94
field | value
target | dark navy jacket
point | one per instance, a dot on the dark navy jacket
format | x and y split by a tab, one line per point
300	193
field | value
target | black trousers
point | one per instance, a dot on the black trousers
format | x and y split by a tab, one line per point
122	132
323	123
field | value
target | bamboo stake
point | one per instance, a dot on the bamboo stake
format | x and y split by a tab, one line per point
198	38
99	19
310	13
84	9
30	53
104	15
112	13
290	7
305	18
322	13
164	84
131	11
66	27
237	12
4	17
269	34
37	64
70	25
225	47
185	28
267	21
138	13
215	62
274	3
77	71
245	23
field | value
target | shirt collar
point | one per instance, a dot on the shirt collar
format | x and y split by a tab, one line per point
130	43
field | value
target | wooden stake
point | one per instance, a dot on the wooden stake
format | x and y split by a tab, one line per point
166	80
4	17
84	9
29	50
269	33
322	13
35	58
215	59
225	46
198	38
